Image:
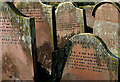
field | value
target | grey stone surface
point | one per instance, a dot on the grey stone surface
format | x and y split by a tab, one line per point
107	24
69	21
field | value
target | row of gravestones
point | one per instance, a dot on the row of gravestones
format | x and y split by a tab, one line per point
67	25
86	57
25	39
104	18
19	40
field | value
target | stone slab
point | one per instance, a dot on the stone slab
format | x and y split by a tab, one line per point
16	43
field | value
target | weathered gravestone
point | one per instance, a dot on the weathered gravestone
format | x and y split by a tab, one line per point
85	57
107	24
43	26
0	58
69	21
16	43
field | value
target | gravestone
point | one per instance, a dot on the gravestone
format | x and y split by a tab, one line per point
107	24
69	21
89	17
15	43
85	57
43	26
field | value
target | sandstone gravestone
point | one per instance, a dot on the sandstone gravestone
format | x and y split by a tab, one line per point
16	43
86	57
107	24
89	17
69	21
43	26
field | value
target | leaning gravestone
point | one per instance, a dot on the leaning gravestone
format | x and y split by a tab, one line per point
107	24
69	21
16	43
86	57
43	26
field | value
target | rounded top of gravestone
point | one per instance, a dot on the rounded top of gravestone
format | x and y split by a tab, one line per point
65	6
115	3
27	3
93	40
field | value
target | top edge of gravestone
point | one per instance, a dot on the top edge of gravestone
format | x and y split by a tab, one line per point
55	0
62	4
115	3
15	10
98	39
26	1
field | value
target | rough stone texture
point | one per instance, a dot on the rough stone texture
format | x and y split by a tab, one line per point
43	26
89	17
16	44
107	25
69	21
85	57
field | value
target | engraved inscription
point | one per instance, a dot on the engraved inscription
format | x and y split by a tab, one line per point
89	60
85	60
9	31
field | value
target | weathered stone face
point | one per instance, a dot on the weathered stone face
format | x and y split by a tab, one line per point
69	21
16	44
86	58
107	26
43	26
